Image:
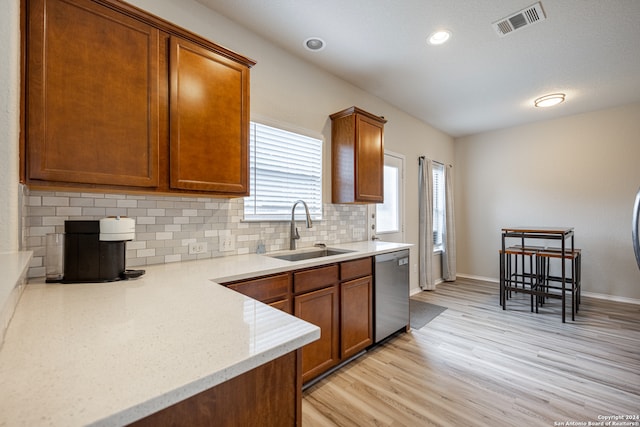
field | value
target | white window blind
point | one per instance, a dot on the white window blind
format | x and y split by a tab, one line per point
438	205
284	167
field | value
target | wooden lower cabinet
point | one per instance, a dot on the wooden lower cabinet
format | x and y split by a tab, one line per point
356	312
269	395
338	298
321	308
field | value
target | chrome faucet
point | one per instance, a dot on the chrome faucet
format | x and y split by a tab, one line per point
294	231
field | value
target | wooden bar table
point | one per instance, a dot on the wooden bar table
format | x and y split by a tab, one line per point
523	234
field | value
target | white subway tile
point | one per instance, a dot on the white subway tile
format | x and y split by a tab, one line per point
155	212
172	258
55	201
145	253
41	231
127	203
106	203
34	201
136	244
145	220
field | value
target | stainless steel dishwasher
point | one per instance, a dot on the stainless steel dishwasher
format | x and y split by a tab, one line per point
391	293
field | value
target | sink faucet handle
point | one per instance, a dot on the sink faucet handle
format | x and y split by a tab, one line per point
296	235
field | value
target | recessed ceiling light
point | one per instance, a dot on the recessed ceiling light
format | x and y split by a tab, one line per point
549	100
439	37
314	44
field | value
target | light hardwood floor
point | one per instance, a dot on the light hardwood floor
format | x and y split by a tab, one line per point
477	365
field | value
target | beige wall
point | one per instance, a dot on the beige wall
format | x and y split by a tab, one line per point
581	171
9	124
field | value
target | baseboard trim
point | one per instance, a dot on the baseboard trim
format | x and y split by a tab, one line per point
584	294
611	298
471	276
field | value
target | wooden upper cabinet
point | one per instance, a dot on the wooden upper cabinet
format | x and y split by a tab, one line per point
118	99
357	141
92	95
209	120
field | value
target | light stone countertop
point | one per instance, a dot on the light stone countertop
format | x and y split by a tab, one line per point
108	354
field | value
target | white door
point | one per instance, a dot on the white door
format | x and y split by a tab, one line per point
387	219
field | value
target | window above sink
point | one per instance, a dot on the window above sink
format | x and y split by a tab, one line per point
284	167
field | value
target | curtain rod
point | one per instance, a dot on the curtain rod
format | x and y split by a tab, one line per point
434	161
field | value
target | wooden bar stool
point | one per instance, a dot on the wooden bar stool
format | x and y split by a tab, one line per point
571	283
514	275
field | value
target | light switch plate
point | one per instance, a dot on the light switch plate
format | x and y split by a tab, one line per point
227	243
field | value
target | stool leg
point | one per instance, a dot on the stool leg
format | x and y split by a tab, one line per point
573	288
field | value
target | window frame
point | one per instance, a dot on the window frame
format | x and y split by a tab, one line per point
251	211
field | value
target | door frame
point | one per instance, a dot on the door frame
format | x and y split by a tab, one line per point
371	211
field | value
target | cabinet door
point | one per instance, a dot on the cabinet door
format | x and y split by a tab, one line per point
369	160
320	308
356	312
93	87
209	121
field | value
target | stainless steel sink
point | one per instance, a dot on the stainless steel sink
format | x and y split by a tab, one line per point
309	254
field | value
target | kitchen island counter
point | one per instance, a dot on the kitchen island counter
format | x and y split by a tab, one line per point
112	353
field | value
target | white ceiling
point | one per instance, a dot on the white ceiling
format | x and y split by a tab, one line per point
478	81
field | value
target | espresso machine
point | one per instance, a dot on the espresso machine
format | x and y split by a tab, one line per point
95	250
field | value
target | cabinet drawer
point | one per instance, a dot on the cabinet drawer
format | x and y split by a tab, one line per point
265	289
316	278
356	268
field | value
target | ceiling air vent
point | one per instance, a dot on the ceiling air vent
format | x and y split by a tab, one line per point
527	16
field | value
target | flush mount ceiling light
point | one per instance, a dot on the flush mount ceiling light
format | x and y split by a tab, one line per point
439	37
549	100
314	44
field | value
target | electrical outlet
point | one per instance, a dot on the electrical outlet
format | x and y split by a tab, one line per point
227	243
197	248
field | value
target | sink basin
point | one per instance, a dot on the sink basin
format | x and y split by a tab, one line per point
309	254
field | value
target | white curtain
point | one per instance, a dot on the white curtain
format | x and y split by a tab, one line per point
449	234
425	226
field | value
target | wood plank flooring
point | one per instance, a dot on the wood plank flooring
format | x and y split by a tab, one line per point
477	365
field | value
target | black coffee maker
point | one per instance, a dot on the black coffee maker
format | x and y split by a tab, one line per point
95	251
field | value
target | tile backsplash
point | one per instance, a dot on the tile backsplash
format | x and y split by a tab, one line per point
165	225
